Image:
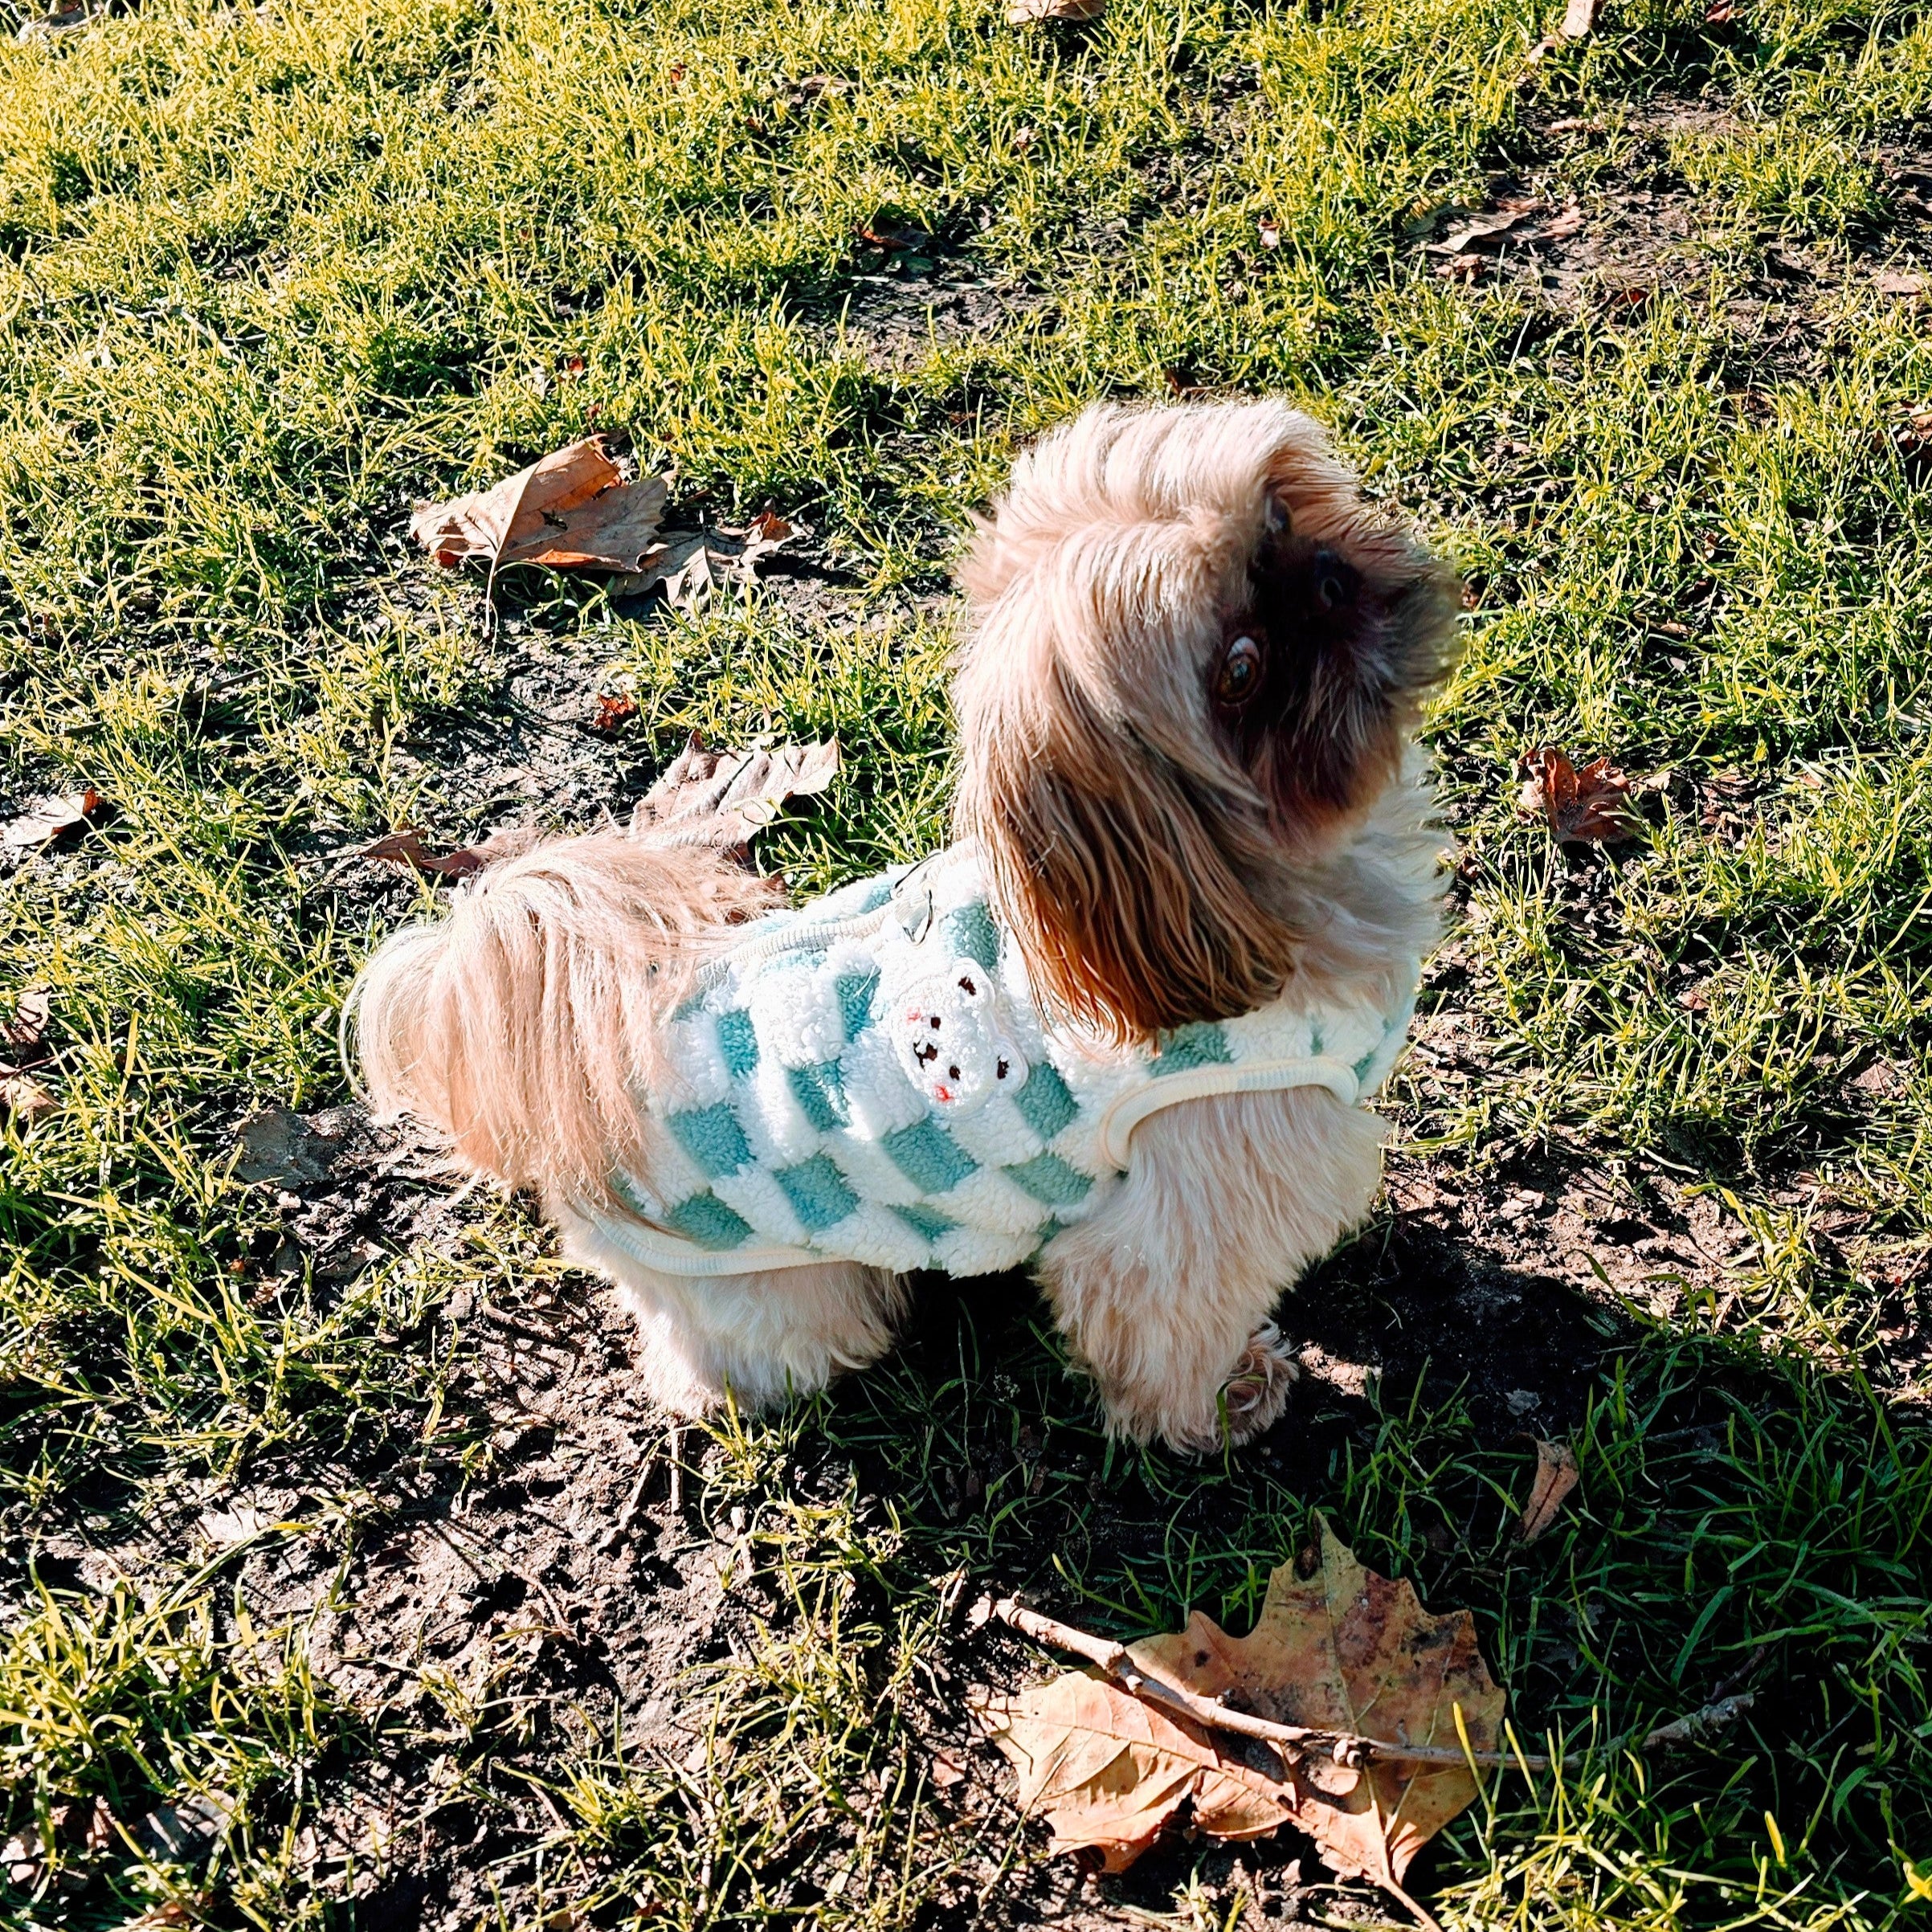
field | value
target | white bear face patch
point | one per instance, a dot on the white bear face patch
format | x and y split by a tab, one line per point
953	1040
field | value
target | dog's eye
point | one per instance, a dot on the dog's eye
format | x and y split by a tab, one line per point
1238	676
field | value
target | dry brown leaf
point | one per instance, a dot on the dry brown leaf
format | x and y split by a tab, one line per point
947	1770
1589	806
613	708
690	564
31	1012
1559	227
1556	1476
406	847
572	511
1019	12
720	798
1459	241
1579	18
1339	1648
1899	281
1109	1772
45	819
23	1096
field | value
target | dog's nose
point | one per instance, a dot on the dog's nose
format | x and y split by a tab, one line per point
1336	581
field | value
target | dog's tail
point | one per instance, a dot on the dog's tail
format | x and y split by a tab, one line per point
521	1026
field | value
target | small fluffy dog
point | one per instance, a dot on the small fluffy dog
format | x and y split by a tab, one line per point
1122	1031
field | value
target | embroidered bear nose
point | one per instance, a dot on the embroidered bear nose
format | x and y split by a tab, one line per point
933	1020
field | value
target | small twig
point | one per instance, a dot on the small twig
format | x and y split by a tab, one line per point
674	1448
634	1502
566	1628
1294	1740
1698	1725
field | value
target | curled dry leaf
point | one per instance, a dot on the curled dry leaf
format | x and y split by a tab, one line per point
690	565
406	847
613	708
1019	12
1472	235
1556	1476
1339	1648
720	798
571	511
46	820
1589	806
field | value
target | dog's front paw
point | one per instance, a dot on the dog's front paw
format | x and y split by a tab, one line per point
1258	1390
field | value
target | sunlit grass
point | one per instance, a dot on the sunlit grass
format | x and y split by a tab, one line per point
269	276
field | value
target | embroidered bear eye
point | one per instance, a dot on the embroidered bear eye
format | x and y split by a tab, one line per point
952	1073
934	1018
999	1072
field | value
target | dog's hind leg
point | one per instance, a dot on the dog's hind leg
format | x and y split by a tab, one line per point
1165	1292
761	1337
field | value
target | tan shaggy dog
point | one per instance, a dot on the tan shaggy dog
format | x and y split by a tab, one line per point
1194	662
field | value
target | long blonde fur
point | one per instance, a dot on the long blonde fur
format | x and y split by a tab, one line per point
522	1025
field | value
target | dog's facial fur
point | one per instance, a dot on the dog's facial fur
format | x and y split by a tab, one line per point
1195	656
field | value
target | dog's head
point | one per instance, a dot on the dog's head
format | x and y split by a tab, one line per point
1196	655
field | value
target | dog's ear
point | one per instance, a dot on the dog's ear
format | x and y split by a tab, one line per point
1120	874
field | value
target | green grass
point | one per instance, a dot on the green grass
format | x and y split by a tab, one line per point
269	276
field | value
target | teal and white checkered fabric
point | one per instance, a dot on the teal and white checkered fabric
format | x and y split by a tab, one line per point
868	1078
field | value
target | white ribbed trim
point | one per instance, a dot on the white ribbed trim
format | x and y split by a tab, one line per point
672	1255
1118	1122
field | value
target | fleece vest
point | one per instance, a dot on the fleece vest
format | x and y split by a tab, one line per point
869	1078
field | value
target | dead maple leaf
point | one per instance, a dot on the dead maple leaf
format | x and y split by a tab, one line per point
720	798
571	511
406	847
613	708
1556	1476
1109	1772
46	820
1590	807
1338	1648
1019	12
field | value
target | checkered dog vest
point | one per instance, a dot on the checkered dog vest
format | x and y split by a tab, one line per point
868	1078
